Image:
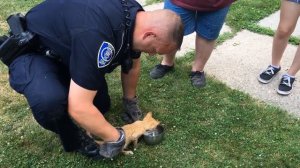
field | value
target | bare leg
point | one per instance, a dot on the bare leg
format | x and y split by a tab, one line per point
204	49
169	59
289	13
296	63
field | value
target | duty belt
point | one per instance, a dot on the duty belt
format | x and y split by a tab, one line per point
18	42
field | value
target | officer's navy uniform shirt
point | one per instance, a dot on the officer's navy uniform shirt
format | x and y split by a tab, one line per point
89	35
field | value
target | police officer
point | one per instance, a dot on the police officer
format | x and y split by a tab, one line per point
84	40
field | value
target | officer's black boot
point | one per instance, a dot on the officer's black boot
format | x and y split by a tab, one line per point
76	140
2	39
88	147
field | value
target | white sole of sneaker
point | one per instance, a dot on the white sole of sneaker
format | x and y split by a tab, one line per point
284	93
264	81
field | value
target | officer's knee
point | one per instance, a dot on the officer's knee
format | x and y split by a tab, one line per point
49	110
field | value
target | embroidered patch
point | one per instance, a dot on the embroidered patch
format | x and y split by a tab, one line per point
106	54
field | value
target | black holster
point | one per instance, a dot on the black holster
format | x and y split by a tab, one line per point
19	40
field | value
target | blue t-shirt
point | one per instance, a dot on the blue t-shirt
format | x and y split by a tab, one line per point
88	35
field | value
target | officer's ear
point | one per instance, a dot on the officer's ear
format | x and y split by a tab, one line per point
149	35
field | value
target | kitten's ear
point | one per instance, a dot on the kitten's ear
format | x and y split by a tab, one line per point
148	115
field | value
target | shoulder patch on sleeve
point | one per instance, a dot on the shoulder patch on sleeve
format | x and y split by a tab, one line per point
106	54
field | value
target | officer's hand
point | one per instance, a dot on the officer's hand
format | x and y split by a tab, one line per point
132	110
112	149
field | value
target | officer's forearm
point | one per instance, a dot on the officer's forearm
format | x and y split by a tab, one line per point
130	80
83	111
89	118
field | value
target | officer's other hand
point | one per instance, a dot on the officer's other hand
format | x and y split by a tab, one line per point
112	149
132	111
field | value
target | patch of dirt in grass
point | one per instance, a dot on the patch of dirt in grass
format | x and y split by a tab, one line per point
3	26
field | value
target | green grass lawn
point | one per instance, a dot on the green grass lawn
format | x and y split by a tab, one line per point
210	127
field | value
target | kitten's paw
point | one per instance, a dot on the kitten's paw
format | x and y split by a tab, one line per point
99	142
128	152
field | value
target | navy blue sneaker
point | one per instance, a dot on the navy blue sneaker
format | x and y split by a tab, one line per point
267	75
286	85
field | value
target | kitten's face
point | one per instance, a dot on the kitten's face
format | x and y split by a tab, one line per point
150	122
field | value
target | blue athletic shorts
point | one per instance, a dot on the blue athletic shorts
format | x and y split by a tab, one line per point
207	24
296	1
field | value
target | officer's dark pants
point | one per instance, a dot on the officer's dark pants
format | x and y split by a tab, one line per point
45	84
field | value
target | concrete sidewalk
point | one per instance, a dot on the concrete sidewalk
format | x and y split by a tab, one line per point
272	22
238	61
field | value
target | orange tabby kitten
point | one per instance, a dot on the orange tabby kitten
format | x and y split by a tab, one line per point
135	130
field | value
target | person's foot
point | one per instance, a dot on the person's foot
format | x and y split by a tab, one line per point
286	85
160	71
198	79
267	75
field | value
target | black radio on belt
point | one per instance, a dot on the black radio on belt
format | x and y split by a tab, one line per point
19	40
